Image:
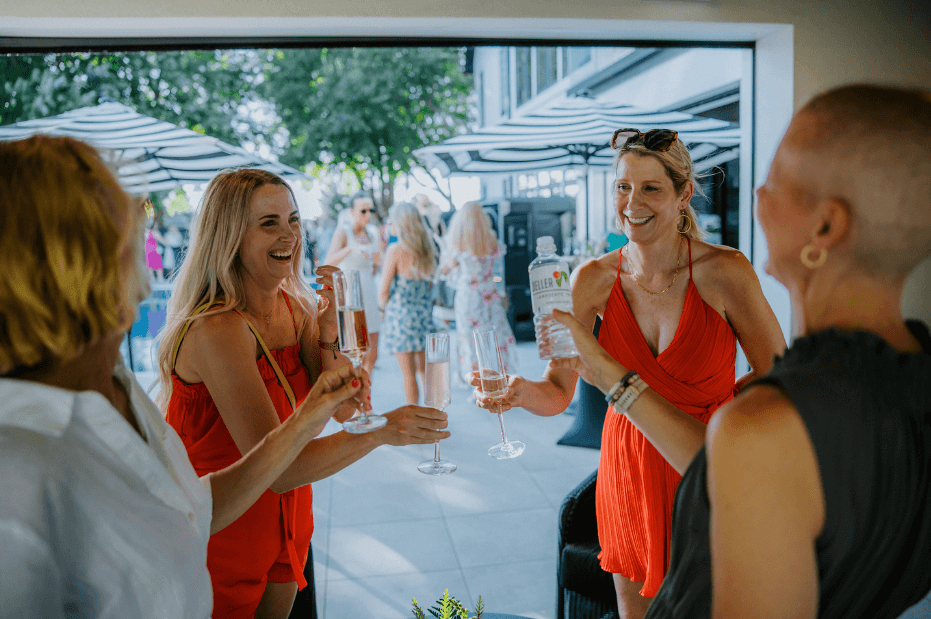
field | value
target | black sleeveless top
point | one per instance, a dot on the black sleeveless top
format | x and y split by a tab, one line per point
867	409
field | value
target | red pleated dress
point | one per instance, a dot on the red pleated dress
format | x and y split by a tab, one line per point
636	486
269	542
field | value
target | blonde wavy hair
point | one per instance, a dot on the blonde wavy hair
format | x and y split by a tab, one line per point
415	237
211	271
678	165
470	231
64	223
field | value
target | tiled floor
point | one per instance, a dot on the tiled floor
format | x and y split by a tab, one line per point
385	532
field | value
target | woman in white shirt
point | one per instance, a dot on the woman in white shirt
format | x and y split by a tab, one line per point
101	514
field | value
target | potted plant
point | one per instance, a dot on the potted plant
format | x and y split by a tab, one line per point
448	607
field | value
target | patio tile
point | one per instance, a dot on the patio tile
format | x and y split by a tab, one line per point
506	537
385	500
492	486
519	588
389	597
363	551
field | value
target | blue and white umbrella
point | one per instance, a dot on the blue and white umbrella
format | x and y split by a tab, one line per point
574	132
149	154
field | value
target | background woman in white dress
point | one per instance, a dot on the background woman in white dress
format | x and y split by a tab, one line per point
356	246
471	249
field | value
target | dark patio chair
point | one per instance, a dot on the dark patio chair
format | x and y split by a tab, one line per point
584	590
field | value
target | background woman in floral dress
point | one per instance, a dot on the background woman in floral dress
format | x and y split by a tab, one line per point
471	251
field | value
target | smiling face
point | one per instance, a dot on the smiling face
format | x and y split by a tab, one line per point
645	199
271	239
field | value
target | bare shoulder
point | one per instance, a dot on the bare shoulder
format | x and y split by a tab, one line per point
760	440
591	285
719	262
756	414
223	336
597	272
218	332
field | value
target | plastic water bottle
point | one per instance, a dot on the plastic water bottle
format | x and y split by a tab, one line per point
549	290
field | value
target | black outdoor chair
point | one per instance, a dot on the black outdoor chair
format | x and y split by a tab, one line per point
584	590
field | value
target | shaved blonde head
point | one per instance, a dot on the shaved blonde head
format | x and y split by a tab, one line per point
870	146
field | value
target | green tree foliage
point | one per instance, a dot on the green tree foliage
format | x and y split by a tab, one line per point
210	92
365	110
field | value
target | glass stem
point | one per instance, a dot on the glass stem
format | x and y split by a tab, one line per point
504	437
436	452
356	365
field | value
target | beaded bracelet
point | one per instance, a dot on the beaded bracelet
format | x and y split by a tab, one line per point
619	388
637	386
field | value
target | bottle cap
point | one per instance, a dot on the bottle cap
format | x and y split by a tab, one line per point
545	245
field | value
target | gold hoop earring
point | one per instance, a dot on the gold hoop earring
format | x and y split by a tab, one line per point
688	220
817	262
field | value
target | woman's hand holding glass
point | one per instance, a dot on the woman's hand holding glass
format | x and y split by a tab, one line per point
512	399
326	303
494	383
414	425
328	396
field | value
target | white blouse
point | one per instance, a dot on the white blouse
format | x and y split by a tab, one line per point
95	520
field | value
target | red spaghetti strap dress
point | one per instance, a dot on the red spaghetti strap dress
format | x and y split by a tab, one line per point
270	541
636	486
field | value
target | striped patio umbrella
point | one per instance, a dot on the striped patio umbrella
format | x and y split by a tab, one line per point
149	154
576	131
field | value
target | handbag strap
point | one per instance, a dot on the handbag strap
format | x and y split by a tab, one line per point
282	380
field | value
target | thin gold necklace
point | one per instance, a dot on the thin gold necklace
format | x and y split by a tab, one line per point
674	275
268	319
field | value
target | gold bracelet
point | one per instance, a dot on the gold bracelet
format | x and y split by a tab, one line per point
334	345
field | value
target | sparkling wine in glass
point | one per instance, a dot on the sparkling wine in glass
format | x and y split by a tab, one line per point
437	395
353	339
494	385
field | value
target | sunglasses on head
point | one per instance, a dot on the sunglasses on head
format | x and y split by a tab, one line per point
657	140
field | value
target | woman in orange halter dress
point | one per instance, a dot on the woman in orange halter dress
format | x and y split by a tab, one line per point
673	309
242	346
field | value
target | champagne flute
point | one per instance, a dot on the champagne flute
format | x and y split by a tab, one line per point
495	386
353	339
437	395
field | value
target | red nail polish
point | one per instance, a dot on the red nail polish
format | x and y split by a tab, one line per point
355	382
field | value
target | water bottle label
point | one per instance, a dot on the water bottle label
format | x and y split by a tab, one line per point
549	288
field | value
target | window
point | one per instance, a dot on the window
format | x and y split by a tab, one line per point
574	57
546	67
506	82
481	98
522	68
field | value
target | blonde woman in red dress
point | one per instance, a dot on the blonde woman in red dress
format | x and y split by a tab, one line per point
243	345
673	310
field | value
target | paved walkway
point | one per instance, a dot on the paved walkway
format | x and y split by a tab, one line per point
385	532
